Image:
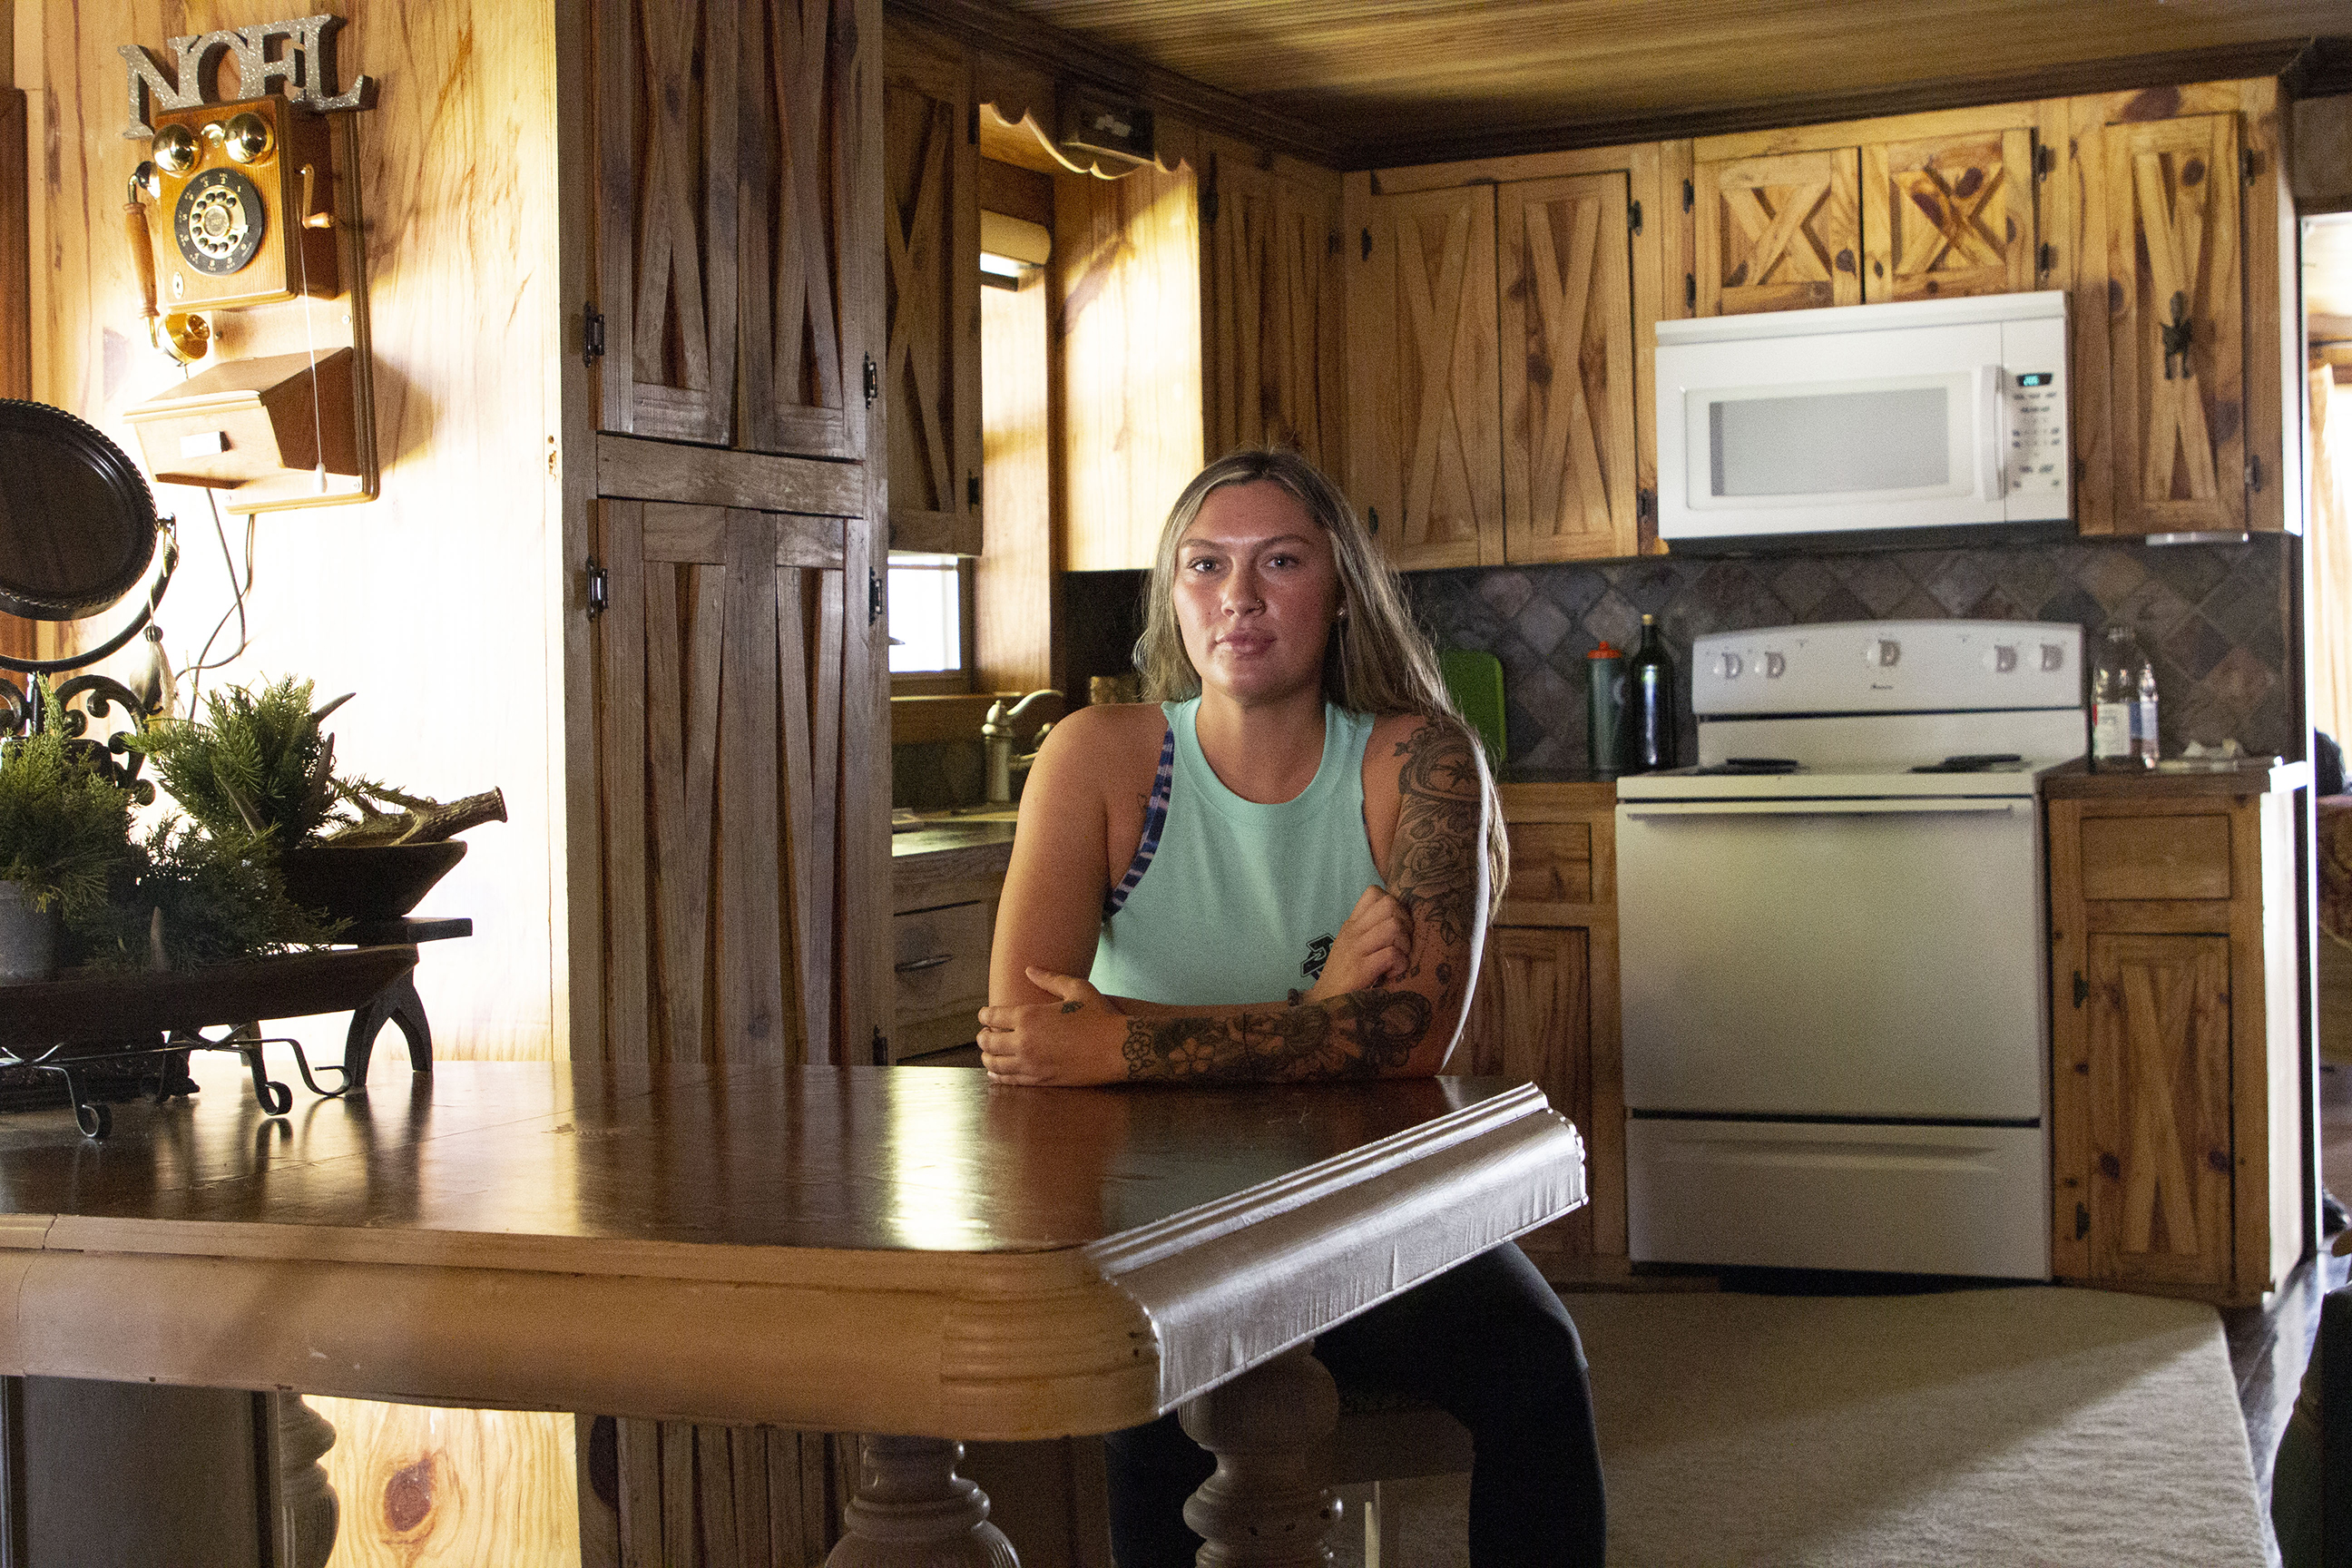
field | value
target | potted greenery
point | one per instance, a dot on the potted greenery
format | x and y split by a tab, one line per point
64	830
259	771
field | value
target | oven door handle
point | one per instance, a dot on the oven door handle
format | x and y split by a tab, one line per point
1895	806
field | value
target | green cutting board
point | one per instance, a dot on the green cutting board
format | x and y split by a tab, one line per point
1475	680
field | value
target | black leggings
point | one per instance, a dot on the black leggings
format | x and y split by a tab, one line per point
1487	1342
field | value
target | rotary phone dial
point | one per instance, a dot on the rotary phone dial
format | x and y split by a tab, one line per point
241	183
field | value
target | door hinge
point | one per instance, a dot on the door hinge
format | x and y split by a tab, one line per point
2046	257
1209	201
2253	473
1634	215
2082	989
873	380
971	489
2045	161
1372	520
972	126
1690	195
1690	290
2082	1221
2246	164
1368	245
1646	505
881	1047
600	588
591	334
873	597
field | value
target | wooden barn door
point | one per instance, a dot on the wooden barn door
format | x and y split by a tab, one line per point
718	724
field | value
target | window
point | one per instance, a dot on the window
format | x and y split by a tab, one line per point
929	611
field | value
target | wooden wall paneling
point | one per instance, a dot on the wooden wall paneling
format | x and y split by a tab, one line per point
2160	1046
802	164
423	1486
1442	334
1128	310
1778	233
931	365
1014	585
2178	417
16	252
668	152
1567	369
1947	216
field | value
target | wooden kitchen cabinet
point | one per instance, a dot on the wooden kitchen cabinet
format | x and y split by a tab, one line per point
930	366
944	886
733	154
1546	1007
1776	232
2177	1108
1272	319
1500	343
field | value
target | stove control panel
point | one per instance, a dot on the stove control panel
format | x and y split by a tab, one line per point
1861	666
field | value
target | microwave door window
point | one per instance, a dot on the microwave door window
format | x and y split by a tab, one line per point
1788	447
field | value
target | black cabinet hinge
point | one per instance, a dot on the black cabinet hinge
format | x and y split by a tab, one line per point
2046	162
1368	245
1690	195
971	489
2082	989
2046	257
1208	198
2253	473
873	380
591	334
1690	290
2246	163
881	1047
1633	216
1372	520
2082	1221
873	597
1646	505
972	126
600	588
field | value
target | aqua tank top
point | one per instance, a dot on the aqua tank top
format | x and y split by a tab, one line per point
1239	902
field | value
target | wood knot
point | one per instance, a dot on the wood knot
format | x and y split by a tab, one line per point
2193	172
2217	1159
408	1495
1972	182
1845	260
2110	1166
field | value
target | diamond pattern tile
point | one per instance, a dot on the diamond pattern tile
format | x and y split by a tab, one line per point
2210	615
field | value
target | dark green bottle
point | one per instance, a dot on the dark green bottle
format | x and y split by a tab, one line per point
1649	716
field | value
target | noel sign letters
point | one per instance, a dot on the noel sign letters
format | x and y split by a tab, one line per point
306	63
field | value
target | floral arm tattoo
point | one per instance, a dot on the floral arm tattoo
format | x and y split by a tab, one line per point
1438	859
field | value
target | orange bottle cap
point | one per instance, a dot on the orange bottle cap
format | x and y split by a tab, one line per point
1604	651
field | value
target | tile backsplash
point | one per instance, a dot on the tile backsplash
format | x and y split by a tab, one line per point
2213	618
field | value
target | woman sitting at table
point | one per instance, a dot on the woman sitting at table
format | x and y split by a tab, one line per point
1282	869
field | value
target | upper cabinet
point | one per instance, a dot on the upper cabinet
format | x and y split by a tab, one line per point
1499	318
730	165
932	238
1776	232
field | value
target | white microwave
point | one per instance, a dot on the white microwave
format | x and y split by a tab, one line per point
1922	422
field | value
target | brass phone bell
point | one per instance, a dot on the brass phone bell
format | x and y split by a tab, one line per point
245	138
175	149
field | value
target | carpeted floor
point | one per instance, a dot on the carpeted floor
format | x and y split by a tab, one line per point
2001	1427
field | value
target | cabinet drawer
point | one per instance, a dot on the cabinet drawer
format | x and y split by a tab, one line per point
2156	856
940	958
1551	863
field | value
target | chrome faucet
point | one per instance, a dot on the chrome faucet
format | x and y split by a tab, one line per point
997	735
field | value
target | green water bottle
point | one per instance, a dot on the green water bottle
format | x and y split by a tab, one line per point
1649	720
1605	705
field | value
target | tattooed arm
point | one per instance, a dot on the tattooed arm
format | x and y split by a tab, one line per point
1425	814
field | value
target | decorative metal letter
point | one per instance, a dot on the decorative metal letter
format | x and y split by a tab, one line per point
307	68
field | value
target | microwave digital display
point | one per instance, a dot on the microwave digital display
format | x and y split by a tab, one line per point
2035	378
1830	444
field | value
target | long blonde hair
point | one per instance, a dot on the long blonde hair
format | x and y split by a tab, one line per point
1377	660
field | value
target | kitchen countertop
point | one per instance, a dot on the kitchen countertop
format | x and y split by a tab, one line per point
941	834
2075	781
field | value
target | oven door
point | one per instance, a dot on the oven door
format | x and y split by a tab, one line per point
1870	958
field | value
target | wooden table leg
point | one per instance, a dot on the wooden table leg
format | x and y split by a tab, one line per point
397	1004
912	1510
1267	1506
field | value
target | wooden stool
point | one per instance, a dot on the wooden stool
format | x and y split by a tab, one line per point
1383	1439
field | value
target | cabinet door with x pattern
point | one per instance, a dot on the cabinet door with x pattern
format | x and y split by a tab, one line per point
1947	216
1779	232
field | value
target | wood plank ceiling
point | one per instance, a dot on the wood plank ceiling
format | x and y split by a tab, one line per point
1380	81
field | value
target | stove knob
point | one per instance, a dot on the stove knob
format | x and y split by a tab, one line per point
2001	657
2053	656
1774	666
1728	667
1882	653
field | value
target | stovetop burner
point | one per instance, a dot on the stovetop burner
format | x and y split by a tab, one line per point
1748	766
1972	763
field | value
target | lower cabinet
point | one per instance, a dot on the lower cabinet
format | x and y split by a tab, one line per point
1546	1006
942	923
2177	1110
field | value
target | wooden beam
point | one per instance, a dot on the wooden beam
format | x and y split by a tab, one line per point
632	468
16	249
987	25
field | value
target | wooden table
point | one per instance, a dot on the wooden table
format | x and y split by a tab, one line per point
886	1250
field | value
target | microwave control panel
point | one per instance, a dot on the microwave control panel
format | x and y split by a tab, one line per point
2036	457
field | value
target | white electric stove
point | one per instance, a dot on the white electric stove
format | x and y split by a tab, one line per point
1833	952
